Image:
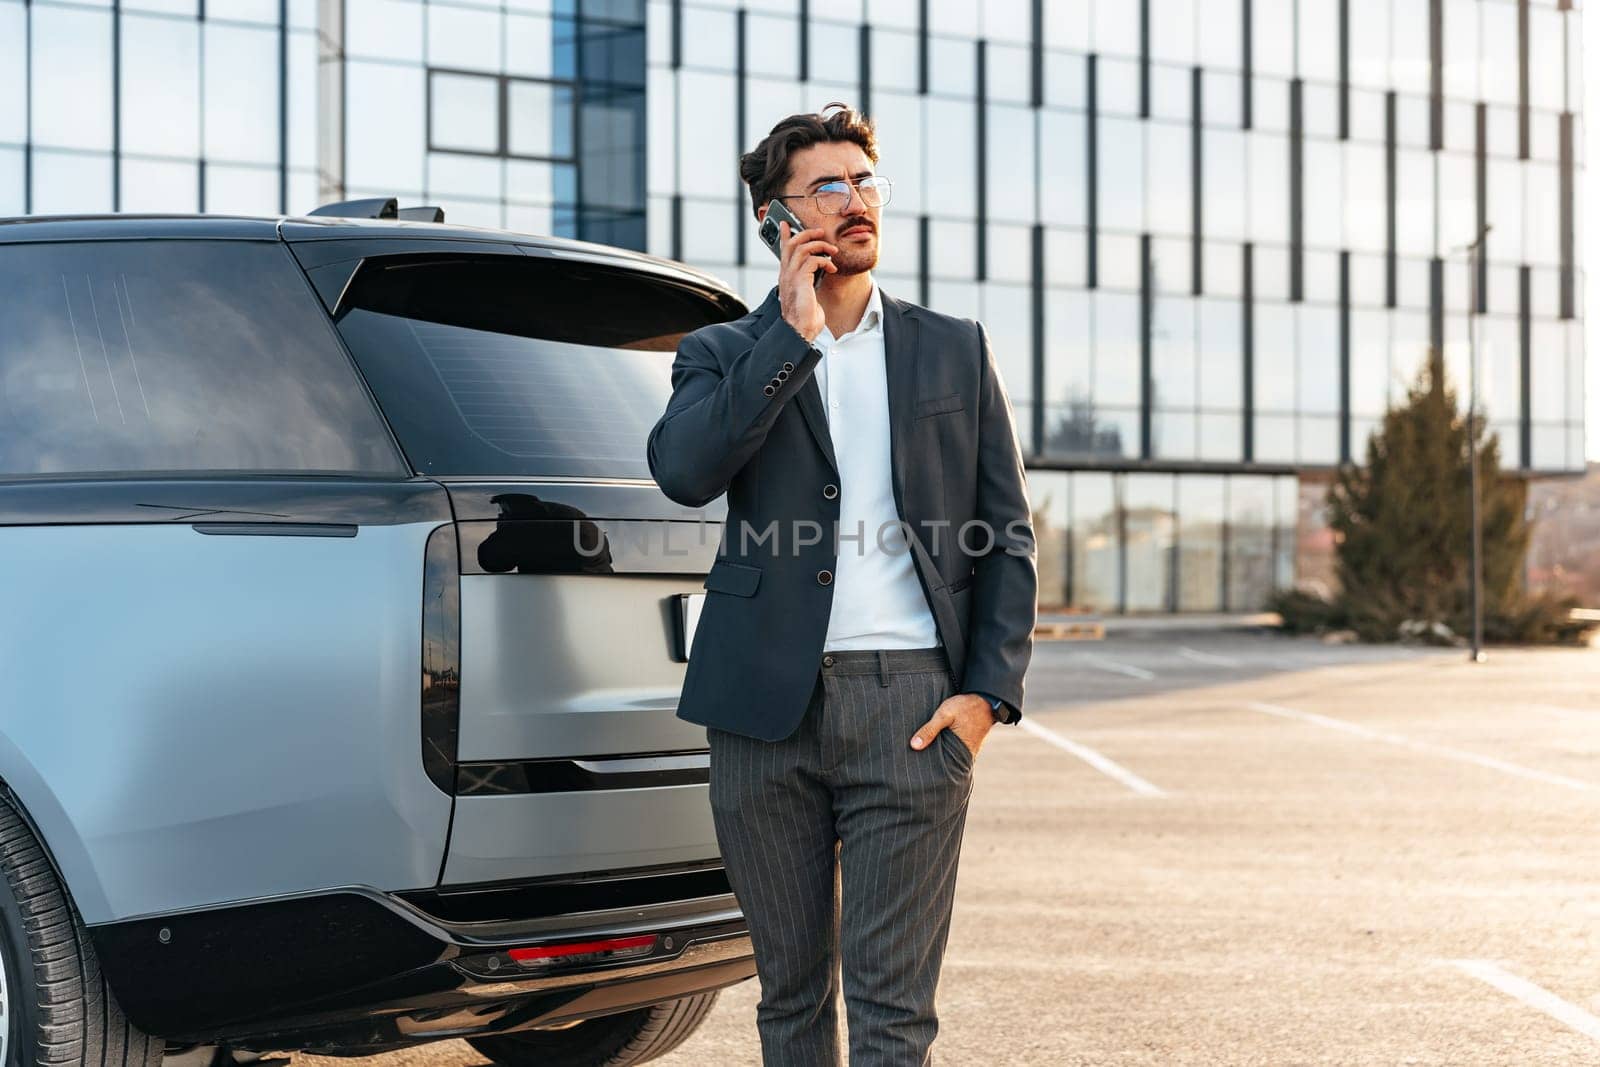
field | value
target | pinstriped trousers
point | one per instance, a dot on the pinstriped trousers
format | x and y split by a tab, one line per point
841	843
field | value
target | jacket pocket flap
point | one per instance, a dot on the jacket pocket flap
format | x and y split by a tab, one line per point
940	404
735	578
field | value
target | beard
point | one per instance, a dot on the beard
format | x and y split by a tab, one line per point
855	259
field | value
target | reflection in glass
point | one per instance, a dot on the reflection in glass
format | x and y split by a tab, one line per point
1286	493
540	123
1096	543
1202	511
1116	349
1318	379
1048	493
1173	375
1223	165
1369	362
465	112
160	81
1221	353
1121	167
1149	528
1250	536
241	94
71	92
1274	357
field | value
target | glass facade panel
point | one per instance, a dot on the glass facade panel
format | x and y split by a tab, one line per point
1168	192
241	94
1122	174
464	112
536	116
1202	518
70	94
1150	535
161	81
1096	543
1218	34
1051	509
1251	532
12	183
1116	350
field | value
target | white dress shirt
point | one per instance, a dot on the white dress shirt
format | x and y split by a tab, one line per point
877	599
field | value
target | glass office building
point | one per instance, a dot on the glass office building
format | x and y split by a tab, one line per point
1212	240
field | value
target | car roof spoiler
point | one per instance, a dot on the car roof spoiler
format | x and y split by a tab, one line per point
380	207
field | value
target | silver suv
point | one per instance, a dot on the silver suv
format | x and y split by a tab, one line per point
343	635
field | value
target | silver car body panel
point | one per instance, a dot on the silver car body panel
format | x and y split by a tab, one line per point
573	666
192	719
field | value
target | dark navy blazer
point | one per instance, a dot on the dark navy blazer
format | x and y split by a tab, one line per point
746	418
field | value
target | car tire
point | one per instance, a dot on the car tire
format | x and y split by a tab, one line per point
57	1007
618	1040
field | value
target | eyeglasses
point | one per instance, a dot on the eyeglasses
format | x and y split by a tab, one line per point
833	197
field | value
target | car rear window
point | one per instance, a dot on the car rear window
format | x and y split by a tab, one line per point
176	357
495	365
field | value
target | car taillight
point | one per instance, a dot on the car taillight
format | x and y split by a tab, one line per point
584	951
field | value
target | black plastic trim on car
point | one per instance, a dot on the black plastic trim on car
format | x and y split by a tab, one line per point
184	974
54	228
598	498
441	658
483	778
259	498
353	968
498	902
275	529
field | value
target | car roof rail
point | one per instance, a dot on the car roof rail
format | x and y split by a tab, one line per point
380	207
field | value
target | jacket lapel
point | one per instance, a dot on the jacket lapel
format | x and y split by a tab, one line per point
809	398
900	345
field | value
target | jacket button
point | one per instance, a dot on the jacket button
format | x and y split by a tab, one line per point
827	661
788	366
830	491
770	389
824	577
783	376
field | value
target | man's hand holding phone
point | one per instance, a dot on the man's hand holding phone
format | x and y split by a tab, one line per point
804	255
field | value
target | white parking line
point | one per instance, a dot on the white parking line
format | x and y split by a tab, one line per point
1206	657
1094	759
1533	996
1120	668
1424	746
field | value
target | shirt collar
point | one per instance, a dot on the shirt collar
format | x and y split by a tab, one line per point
871	318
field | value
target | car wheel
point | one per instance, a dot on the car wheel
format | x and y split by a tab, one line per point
610	1041
55	1006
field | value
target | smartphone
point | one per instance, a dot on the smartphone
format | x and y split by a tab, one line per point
771	237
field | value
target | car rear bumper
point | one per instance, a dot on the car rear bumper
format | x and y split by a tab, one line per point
361	970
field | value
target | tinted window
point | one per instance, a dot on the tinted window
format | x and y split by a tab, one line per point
510	365
175	356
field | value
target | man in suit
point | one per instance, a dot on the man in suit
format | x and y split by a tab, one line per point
870	613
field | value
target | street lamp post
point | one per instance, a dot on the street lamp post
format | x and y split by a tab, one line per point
1474	251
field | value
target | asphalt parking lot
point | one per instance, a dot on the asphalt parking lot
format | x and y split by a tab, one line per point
1238	848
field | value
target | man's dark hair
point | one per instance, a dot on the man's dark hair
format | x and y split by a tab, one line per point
765	168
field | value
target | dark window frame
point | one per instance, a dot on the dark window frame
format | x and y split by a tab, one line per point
503	84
